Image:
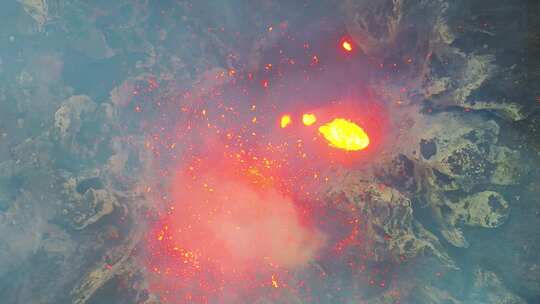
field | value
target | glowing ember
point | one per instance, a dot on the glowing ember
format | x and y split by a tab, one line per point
347	46
308	119
274	282
344	134
285	121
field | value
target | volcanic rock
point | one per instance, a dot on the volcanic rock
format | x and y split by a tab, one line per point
488	289
392	231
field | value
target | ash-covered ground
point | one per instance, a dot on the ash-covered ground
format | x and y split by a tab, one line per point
145	157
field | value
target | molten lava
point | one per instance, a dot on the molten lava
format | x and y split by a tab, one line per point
344	134
309	119
285	121
347	46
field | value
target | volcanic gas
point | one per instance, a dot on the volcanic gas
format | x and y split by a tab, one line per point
224	227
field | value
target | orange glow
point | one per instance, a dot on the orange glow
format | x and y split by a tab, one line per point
285	121
308	119
344	134
347	46
274	282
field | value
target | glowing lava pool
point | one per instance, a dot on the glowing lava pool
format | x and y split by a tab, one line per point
345	134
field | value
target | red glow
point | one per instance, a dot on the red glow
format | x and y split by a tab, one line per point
223	212
225	226
237	214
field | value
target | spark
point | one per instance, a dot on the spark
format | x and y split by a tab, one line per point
285	121
309	119
344	134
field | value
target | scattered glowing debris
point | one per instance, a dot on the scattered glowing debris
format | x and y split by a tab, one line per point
221	124
344	134
309	119
347	46
285	121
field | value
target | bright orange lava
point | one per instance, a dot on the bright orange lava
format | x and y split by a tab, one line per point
309	119
347	46
285	121
344	134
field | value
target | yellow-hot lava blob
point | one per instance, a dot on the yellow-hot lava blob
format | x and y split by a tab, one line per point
347	46
344	134
308	119
285	121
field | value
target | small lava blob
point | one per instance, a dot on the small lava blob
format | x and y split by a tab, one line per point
285	121
347	46
309	119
